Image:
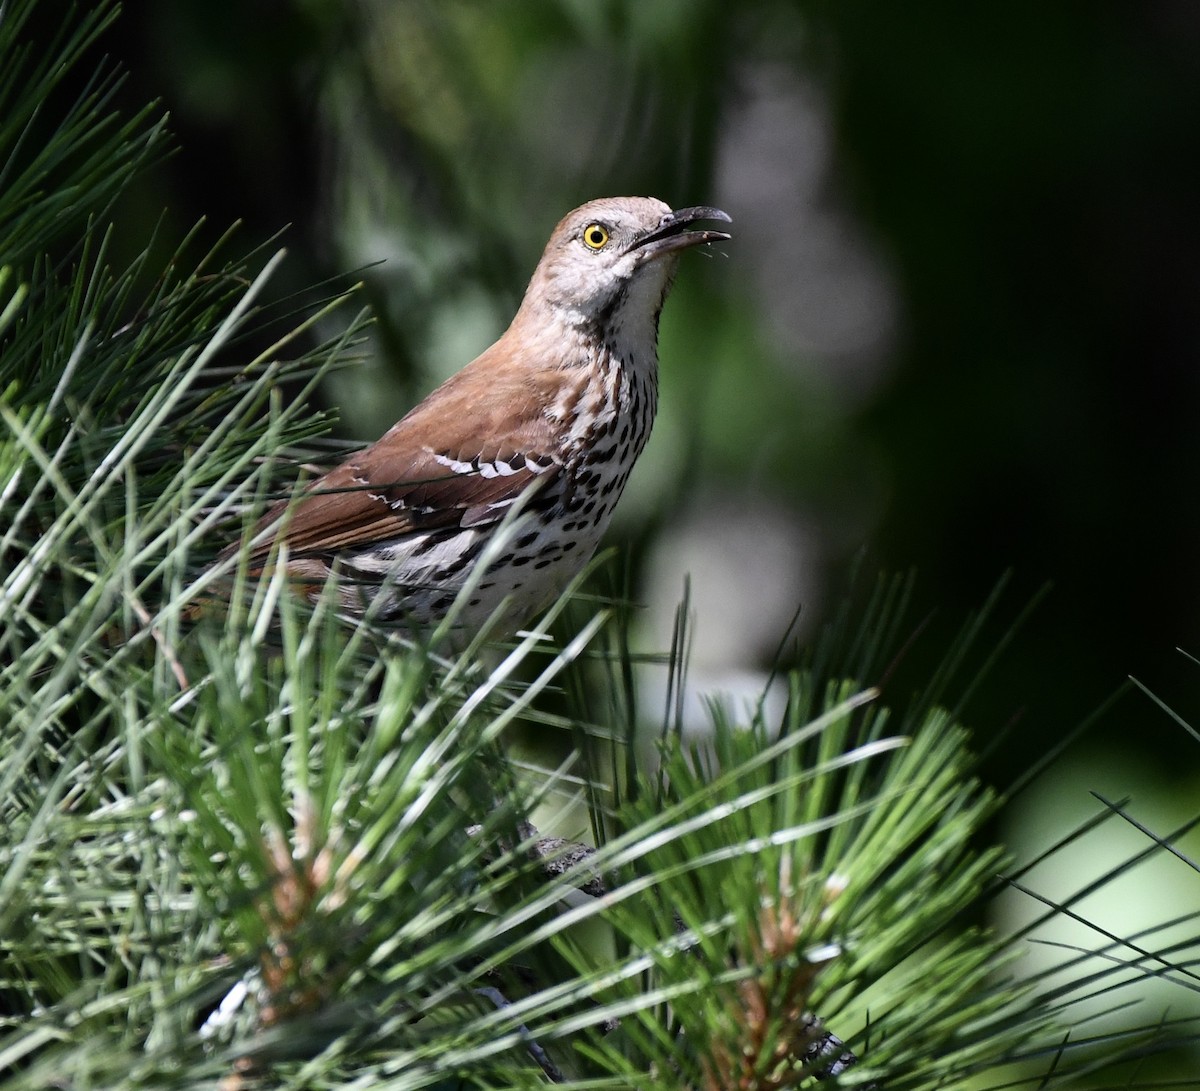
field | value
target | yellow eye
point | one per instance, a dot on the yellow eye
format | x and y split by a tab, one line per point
595	236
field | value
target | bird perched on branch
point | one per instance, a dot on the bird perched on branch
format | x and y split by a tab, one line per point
555	413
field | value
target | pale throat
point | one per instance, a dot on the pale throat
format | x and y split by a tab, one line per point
631	330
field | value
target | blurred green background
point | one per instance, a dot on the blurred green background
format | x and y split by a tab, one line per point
957	327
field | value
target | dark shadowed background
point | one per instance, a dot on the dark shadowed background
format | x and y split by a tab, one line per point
958	325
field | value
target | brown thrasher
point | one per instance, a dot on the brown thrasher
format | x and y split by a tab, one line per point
560	406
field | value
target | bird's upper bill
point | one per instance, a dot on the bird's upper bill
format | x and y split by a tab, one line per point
672	233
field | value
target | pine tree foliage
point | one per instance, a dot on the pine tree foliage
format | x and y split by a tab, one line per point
267	849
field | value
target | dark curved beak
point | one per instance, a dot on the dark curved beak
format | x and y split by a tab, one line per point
672	234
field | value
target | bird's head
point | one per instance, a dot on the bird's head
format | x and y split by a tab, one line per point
609	263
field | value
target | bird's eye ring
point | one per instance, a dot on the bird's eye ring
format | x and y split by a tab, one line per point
595	236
